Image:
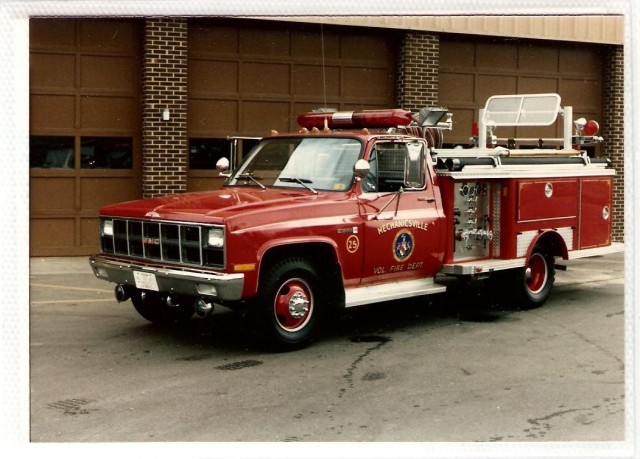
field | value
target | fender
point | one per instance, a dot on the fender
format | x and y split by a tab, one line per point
291	242
552	239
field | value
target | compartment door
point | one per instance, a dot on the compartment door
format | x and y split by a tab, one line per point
595	212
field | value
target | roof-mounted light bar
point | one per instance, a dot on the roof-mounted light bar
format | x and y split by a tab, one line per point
355	119
429	117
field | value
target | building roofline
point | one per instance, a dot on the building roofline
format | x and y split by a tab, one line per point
601	29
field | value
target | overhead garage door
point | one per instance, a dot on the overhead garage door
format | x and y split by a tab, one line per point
248	77
473	69
84	128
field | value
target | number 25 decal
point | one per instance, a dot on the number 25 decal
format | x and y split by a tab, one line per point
353	243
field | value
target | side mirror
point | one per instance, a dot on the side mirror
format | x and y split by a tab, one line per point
222	165
362	168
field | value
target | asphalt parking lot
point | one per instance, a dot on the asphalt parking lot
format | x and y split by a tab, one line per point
414	371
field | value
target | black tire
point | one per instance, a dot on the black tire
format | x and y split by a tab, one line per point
532	284
289	304
153	307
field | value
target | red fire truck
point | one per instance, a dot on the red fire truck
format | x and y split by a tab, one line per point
363	207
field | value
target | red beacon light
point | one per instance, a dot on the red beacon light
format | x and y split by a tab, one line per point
591	128
586	132
355	119
587	128
475	129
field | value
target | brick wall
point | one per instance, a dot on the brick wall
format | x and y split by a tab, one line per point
418	71
613	131
164	143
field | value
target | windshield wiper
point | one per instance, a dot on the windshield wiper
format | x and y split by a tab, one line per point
248	175
301	181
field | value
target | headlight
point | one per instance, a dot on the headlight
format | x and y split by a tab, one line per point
215	238
107	227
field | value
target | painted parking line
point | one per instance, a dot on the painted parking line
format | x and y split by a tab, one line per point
66	287
104	300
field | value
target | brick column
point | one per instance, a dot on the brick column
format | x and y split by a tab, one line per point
164	143
419	68
613	131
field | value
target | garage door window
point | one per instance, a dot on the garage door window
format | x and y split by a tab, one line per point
106	152
58	152
51	152
205	153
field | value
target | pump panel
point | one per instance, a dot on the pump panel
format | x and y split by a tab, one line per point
472	232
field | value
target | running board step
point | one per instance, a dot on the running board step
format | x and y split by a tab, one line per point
359	296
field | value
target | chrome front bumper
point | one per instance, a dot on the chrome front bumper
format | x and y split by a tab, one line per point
215	286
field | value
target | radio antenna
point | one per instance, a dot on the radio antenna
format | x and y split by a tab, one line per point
324	77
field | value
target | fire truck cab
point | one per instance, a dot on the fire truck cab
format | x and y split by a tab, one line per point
362	207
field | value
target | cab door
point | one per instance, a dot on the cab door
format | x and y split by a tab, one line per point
403	224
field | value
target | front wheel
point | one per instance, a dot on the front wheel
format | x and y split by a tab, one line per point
533	283
289	304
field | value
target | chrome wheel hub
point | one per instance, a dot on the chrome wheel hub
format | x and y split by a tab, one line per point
298	305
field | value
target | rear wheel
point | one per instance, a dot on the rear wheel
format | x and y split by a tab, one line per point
289	304
533	284
155	308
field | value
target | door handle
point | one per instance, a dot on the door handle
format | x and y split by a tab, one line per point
427	199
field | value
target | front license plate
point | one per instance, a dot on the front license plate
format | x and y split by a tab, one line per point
146	281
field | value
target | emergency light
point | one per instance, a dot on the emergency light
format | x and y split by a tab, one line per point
355	119
591	128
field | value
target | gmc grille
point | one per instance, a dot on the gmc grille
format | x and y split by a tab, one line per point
182	243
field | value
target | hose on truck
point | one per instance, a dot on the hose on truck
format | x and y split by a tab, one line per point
457	164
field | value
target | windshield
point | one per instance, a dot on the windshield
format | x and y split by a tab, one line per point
321	163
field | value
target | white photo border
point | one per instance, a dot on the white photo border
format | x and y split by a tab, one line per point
14	231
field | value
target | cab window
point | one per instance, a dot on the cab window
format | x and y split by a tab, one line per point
396	165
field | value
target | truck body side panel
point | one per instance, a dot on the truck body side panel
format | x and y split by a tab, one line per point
577	208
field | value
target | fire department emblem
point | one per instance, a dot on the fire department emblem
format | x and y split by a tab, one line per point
403	245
